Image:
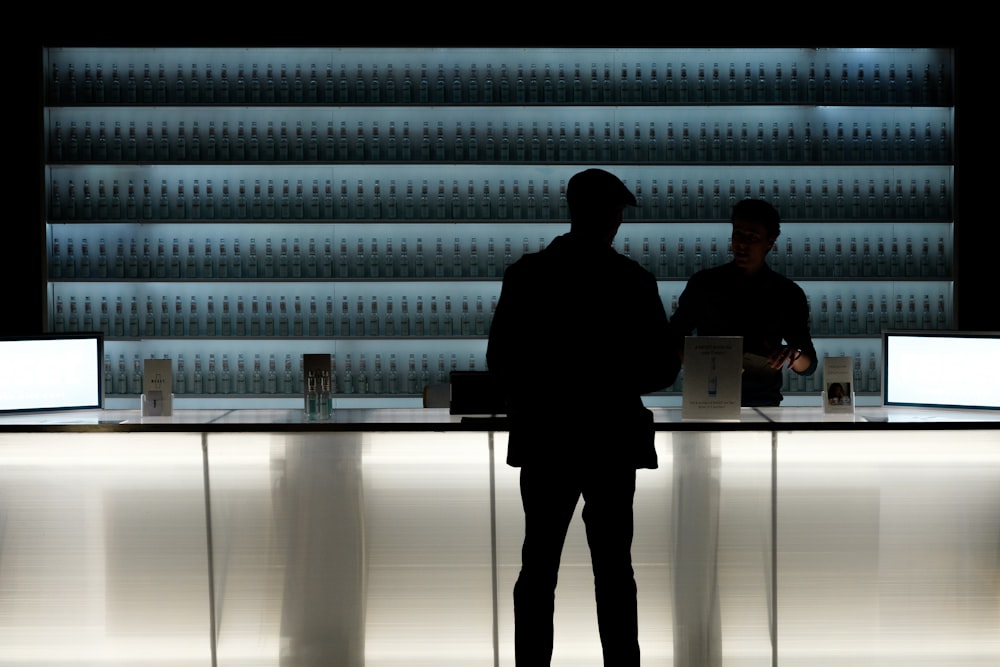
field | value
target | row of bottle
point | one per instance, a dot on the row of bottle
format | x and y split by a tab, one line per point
866	378
841	316
274	377
464	258
683	142
697	199
282	317
851	259
268	375
840	259
377	259
628	83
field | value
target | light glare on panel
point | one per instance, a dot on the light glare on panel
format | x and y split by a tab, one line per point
929	448
941	369
158	451
424	449
97	646
51	372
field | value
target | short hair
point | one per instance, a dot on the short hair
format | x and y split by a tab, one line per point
759	211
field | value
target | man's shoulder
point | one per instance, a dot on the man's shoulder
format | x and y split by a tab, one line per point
713	274
558	254
526	262
619	267
782	279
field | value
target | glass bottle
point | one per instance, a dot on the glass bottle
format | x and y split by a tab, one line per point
225	377
211	376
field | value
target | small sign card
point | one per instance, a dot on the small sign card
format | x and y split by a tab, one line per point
157	388
712	382
838	393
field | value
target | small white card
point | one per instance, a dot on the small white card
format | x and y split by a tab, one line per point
712	377
157	388
838	392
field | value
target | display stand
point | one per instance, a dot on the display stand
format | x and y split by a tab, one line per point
712	386
838	388
318	403
157	379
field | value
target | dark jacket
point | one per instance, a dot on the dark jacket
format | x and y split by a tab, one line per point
579	334
767	309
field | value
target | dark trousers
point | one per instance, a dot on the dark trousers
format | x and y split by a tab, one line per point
549	496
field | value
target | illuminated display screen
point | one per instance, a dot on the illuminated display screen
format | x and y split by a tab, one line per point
954	369
51	372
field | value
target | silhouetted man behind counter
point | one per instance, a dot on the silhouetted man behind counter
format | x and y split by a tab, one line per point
578	336
745	297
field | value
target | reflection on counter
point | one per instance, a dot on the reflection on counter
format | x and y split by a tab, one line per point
235	538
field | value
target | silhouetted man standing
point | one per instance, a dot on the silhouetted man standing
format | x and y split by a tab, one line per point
578	336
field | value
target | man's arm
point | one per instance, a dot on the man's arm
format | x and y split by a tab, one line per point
682	320
798	336
663	363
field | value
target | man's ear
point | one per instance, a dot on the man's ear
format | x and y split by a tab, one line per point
613	230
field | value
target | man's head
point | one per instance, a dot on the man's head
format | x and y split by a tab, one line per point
756	225
759	211
596	200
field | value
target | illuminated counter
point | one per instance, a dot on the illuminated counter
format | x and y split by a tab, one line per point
391	538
